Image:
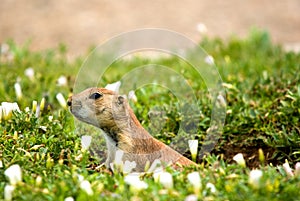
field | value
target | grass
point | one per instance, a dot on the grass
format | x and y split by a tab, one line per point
263	96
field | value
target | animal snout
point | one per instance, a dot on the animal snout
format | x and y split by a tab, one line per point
69	101
74	103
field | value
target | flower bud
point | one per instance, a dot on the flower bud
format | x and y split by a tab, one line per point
29	72
209	60
61	100
195	179
8	192
164	178
38	180
261	156
132	96
14	174
254	178
34	105
8	108
69	199
62	81
86	142
113	86
193	145
18	90
288	170
86	186
136	184
239	158
211	187
42	104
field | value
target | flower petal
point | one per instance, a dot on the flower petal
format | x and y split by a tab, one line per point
195	179
14	174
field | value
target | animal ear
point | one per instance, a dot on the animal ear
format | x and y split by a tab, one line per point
121	99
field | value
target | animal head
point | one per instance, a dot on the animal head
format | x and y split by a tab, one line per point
99	107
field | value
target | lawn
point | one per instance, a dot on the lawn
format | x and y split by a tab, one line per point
262	83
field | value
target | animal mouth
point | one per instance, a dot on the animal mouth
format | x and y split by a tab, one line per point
75	109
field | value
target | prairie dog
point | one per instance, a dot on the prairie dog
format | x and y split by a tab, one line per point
111	113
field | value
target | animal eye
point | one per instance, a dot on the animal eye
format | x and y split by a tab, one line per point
95	96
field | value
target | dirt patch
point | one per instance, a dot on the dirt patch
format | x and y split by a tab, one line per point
250	154
80	24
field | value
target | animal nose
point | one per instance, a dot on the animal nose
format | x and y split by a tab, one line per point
69	101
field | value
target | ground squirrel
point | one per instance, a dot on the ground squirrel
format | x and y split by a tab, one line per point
111	112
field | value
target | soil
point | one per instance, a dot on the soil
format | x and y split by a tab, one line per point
80	24
250	154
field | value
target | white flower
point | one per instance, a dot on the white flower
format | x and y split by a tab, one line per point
80	178
86	141
128	166
44	128
156	166
14	174
38	180
118	157
118	164
297	169
239	158
113	86
1	164
221	101
50	118
69	199
254	177
61	100
29	72
164	178
201	28
27	109
15	107
8	108
135	182
288	169
77	158
191	197
132	96
193	145
209	60
211	187
62	81
8	191
18	90
86	186
156	176
195	179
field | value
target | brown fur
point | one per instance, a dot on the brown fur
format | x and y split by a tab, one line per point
113	115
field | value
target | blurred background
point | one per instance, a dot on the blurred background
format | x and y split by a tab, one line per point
79	24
